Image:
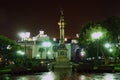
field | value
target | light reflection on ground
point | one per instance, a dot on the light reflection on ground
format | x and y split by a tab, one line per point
48	76
63	75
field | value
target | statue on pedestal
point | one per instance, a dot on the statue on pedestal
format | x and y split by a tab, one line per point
62	61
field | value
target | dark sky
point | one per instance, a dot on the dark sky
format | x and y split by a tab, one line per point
17	16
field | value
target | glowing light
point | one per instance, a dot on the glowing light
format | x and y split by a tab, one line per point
82	52
22	78
34	38
9	47
20	52
109	77
38	55
49	52
93	58
24	35
54	39
107	45
42	62
48	76
41	32
46	44
77	35
110	50
65	39
99	57
96	35
82	77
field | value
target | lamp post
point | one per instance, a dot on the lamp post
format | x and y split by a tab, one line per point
97	36
25	36
46	44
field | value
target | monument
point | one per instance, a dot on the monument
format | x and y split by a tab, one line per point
62	61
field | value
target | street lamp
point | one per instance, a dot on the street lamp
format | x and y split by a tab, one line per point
107	45
97	36
46	44
25	36
110	50
83	52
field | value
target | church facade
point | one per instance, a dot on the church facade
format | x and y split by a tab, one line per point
36	49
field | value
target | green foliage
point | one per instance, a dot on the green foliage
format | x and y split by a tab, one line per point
55	48
110	29
8	50
112	24
4	42
85	27
41	50
92	44
87	39
109	26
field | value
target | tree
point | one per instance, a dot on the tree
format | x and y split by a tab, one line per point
112	24
41	50
91	43
110	27
8	49
55	49
83	30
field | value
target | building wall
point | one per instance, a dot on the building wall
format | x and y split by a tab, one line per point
49	52
32	50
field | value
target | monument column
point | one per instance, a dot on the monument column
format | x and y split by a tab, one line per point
62	61
62	50
61	24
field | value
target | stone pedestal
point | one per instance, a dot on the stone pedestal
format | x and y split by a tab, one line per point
62	61
62	65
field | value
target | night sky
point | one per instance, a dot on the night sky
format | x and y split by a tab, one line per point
17	16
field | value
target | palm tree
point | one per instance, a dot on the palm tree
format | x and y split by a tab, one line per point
41	50
55	49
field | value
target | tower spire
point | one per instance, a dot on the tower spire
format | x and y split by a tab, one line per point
61	24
